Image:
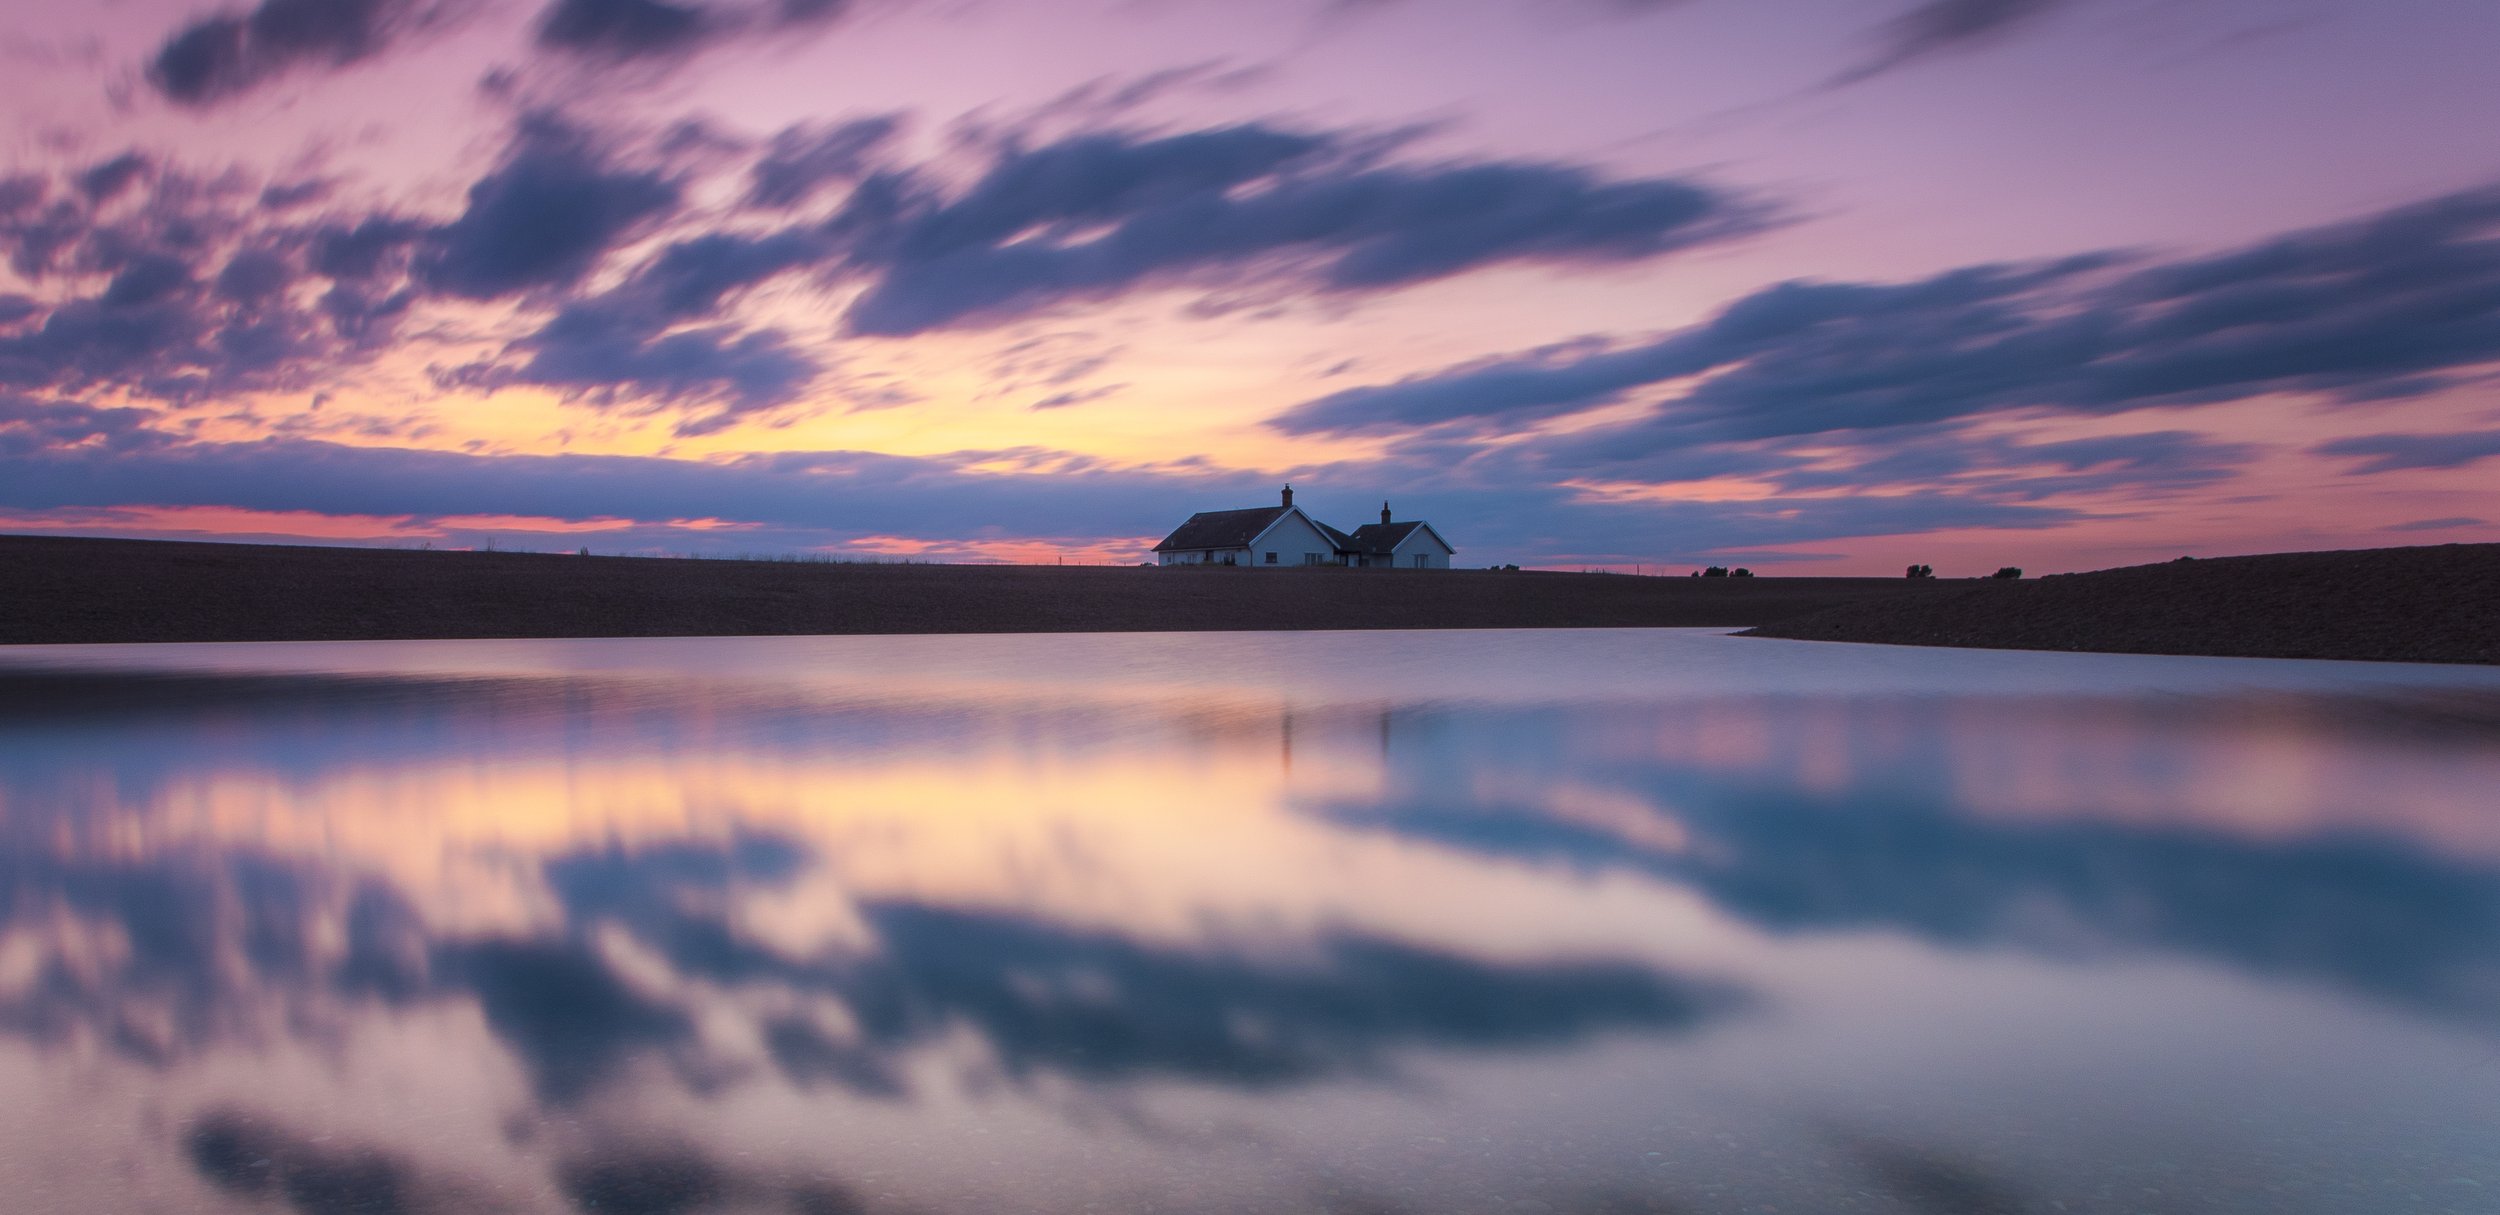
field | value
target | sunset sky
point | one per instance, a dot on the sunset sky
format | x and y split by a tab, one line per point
1817	286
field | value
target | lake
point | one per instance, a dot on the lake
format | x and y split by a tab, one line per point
1590	921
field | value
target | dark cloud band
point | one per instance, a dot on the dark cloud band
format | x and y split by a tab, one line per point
2391	306
230	53
1093	216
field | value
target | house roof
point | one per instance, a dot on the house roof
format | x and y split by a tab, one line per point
1222	528
1379	538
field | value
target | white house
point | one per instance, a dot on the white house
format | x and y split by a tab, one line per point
1282	535
1412	545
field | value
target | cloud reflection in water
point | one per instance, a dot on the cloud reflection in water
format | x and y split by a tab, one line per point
571	937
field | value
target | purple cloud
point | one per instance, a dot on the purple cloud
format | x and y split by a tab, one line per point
803	159
2375	309
544	217
230	53
105	180
1092	216
636	345
650	31
180	289
2399	452
608	357
1936	27
624	29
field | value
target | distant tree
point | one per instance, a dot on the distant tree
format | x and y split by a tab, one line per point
1716	571
1922	571
584	552
2009	571
1740	572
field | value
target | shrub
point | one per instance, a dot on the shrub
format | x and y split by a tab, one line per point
1922	571
2009	571
1716	571
1740	572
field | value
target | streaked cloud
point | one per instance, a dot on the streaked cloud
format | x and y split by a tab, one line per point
2398	452
619	31
225	54
544	216
1937	27
804	158
2382	308
624	29
1092	215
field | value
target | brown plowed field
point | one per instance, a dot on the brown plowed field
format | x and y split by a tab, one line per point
58	589
2432	604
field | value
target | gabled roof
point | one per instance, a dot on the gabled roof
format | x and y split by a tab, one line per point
1380	538
1232	529
1222	528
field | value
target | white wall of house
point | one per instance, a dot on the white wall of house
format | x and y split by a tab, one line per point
1294	542
1422	550
1239	556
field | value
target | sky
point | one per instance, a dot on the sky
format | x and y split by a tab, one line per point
1814	286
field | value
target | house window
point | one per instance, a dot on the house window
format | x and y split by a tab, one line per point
1271	558
1423	561
1310	558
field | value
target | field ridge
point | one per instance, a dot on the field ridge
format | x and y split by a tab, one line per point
70	589
2432	603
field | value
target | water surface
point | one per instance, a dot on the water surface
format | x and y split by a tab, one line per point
1361	922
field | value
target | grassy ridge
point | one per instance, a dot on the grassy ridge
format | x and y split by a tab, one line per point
2430	604
62	589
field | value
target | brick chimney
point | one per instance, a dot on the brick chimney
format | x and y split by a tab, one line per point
1288	495
1384	512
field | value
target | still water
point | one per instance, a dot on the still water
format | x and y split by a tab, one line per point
1599	921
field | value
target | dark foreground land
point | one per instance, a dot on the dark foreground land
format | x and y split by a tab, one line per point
2431	604
58	589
